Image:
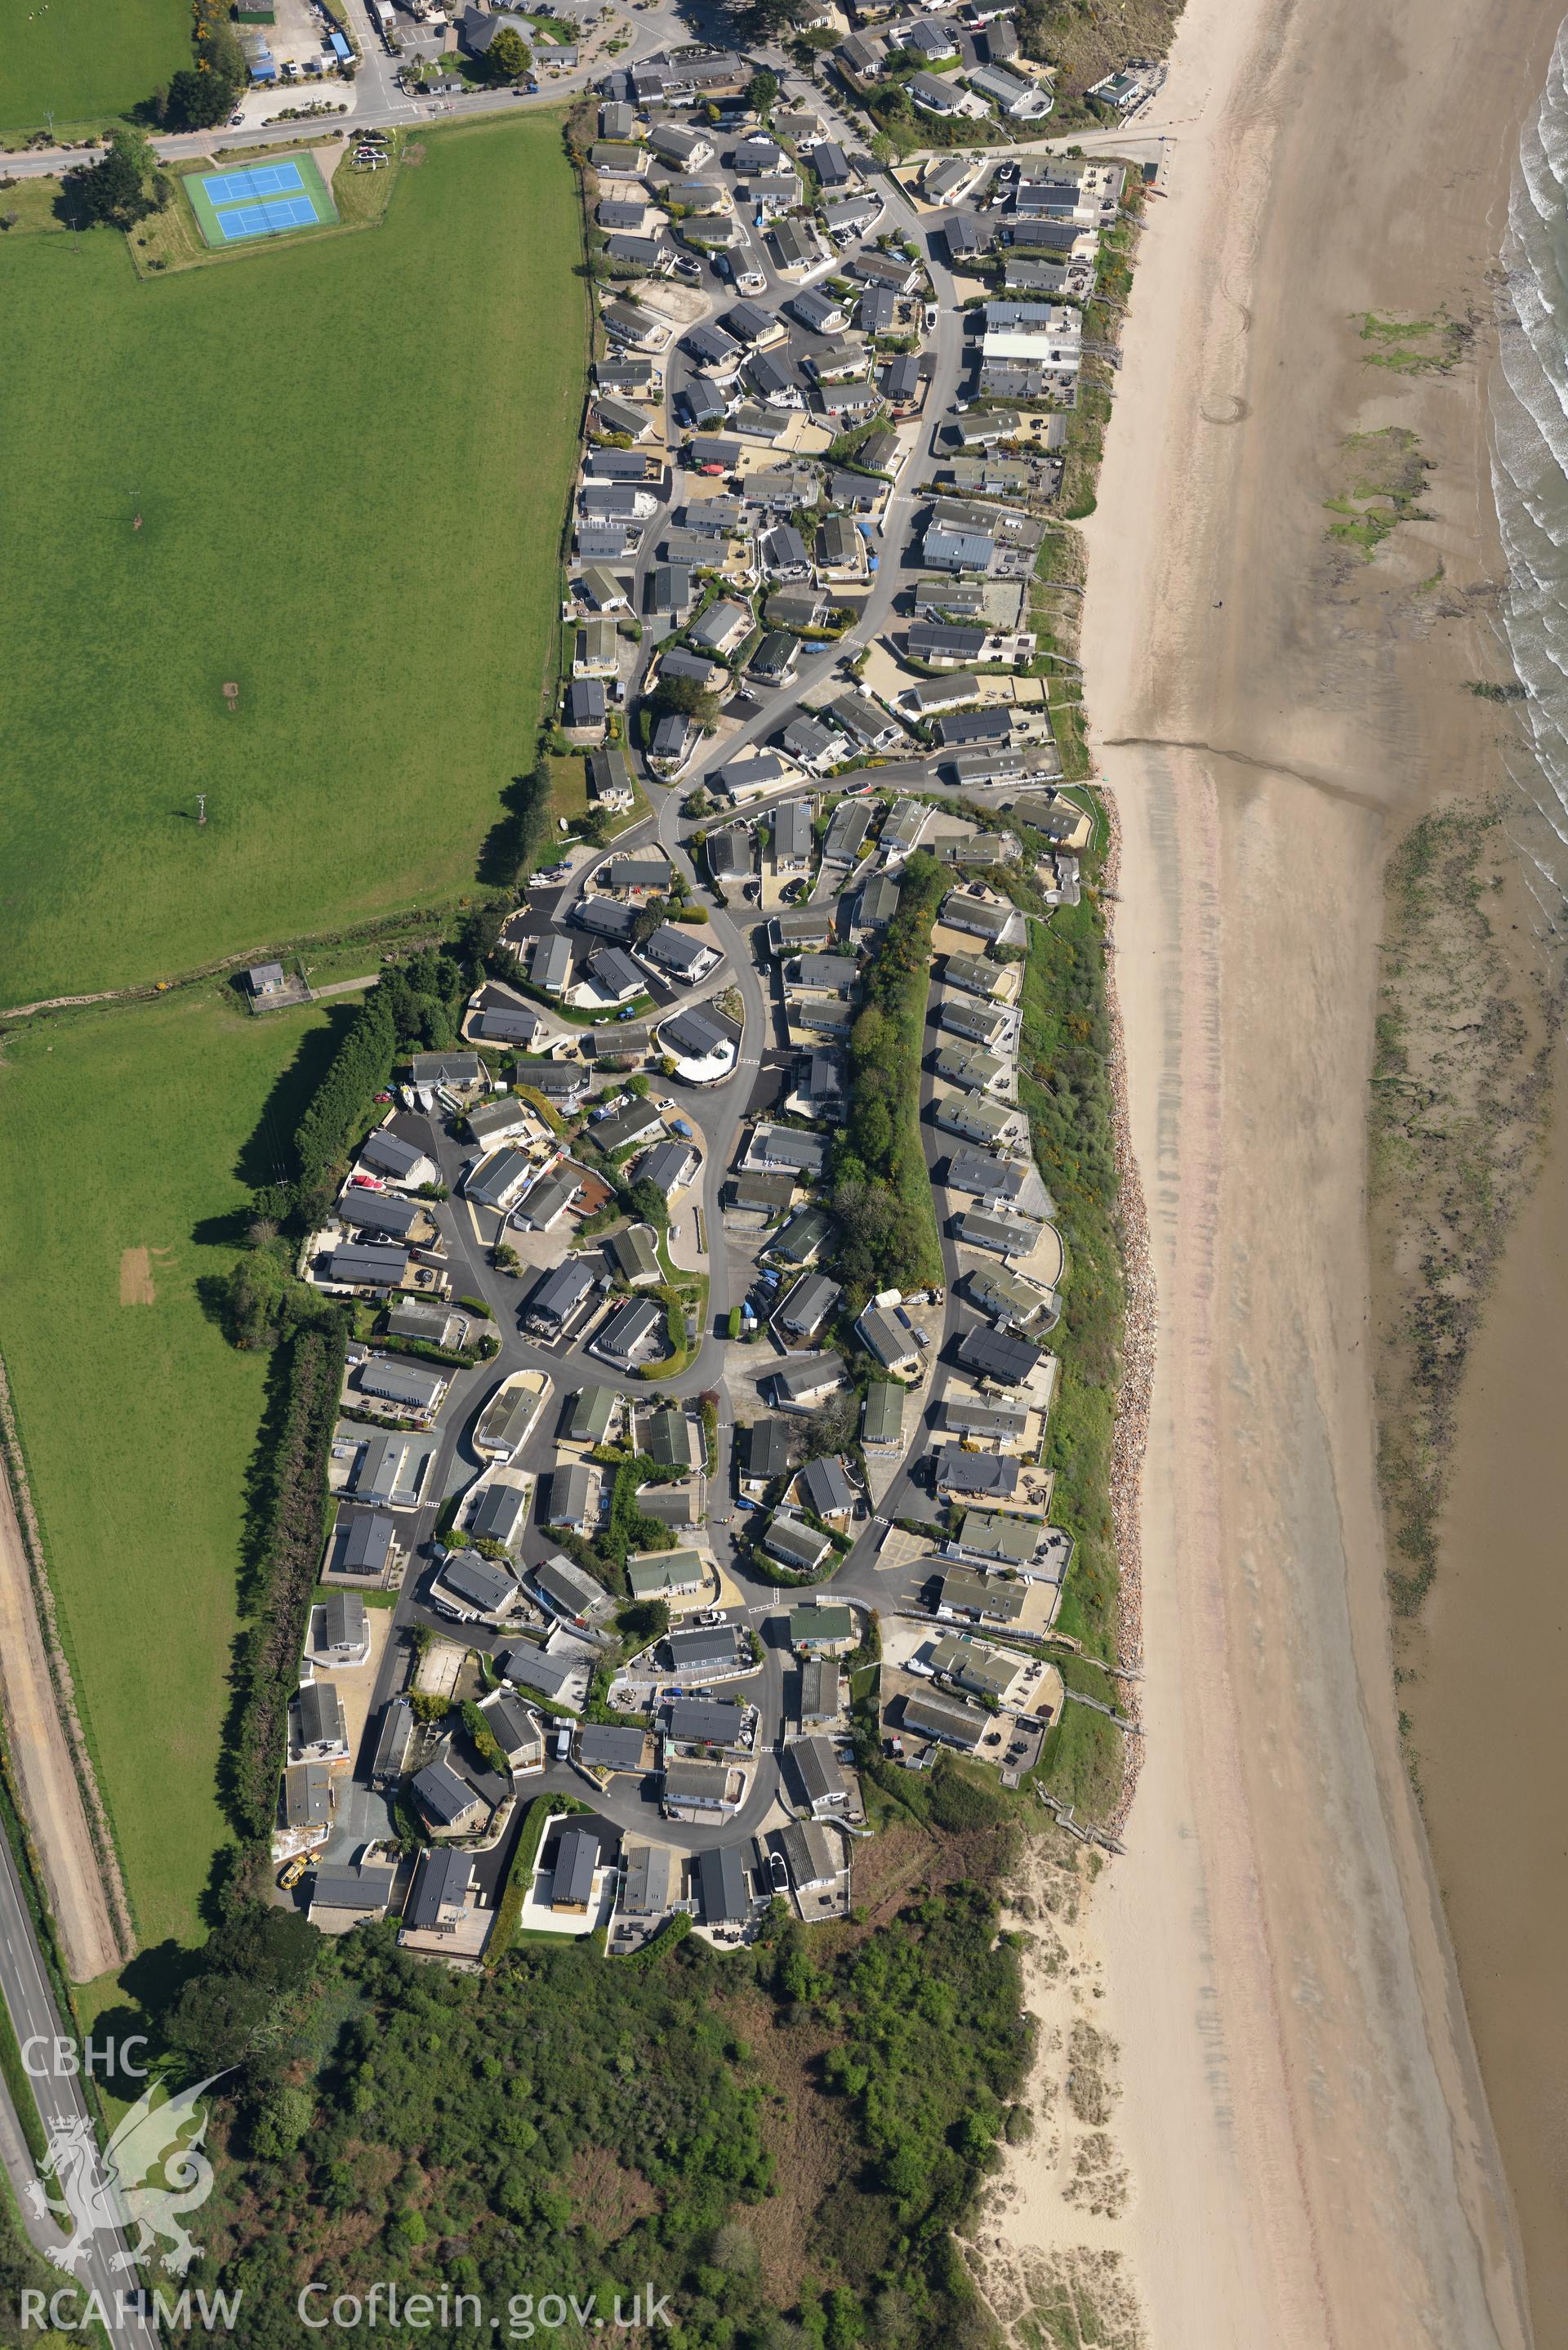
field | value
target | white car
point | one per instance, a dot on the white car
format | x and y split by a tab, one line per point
931	317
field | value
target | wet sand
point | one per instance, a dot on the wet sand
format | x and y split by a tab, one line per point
1312	2156
1489	1712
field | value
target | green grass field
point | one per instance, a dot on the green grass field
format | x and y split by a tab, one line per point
86	62
351	456
122	1132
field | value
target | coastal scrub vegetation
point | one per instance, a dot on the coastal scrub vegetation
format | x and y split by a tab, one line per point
881	1192
565	2125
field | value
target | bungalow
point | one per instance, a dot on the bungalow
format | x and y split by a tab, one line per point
939	97
783	552
873	908
516	1730
413	1391
546	1202
775	194
847	399
822	1782
569	1592
773	383
831	164
803	1238
673	740
558	1298
870	728
616	976
991	1422
977	1023
384	1215
963	1592
890	1339
509	1416
765	1455
993	1355
563	1084
957	550
713	457
632	1332
638	1122
791	837
342	1898
895	271
794	246
807	1307
827	1490
795	1545
1004	1236
991	918
364	1268
840	550
636	1255
592	1416
528	1666
499	1514
723	626
667	1574
687	148
438	1900
848	217
823	974
725	1886
962	235
802	1381
596	651
668	1165
705	1721
317	1730
762	1195
576	1866
387	1468
619	415
704	1049
818	313
507	1023
786	1147
977	1118
668	591
815	746
1009	1299
499	1179
395	1159
800	928
698	1787
586	707
994	1534
947	1720
575	1497
882	1420
934	43
975	1072
612	1747
472	1589
774	661
605	918
1017	100
715	353
974	1476
681	955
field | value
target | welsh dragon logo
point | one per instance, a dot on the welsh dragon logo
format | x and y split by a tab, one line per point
150	2174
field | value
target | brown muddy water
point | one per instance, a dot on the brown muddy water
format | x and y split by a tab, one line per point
1491	1710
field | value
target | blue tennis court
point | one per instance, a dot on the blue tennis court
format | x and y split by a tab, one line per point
260	200
259	180
266	219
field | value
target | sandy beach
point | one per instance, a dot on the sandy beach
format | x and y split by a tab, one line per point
1303	2124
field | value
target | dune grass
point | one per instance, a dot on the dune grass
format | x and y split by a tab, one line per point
351	461
125	1139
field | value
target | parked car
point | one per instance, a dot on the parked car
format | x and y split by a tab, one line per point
778	1875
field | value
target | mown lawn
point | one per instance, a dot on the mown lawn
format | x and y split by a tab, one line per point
85	62
120	1132
351	459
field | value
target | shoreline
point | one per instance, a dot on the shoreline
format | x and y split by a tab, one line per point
1270	721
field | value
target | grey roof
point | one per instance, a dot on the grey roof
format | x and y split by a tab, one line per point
610	1746
721	1877
990	1475
442	1883
795	1544
953	1720
343	1620
368	1267
367	1890
703	1647
318	1712
695	1033
401	1382
630	1326
604	918
616	973
809	1304
651	1875
668	1164
705	1721
554	1296
678	950
500	1514
576	1858
532	1669
388	1153
767	1448
818	1771
551	967
802	1376
366	1539
997	1356
444	1794
827	1488
804	1234
480	1582
512	1725
571	1484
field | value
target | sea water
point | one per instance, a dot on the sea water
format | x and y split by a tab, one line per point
1530	480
